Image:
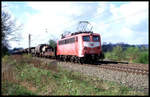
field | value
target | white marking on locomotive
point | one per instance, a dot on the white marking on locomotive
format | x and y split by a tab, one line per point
80	49
91	44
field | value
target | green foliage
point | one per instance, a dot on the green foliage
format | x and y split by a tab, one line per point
32	74
52	43
143	58
4	50
131	54
117	54
14	89
8	60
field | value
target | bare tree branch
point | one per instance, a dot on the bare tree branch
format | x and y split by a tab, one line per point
9	28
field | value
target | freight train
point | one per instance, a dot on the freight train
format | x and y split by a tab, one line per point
77	47
81	46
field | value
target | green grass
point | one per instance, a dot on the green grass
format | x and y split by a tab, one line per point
9	88
62	82
69	83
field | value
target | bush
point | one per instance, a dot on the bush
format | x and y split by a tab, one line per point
131	54
116	54
143	58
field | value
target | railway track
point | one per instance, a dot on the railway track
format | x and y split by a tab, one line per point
127	69
121	66
116	66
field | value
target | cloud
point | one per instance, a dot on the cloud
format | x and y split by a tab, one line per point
51	16
56	8
122	22
132	12
115	21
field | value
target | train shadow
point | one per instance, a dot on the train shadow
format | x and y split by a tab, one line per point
106	62
95	62
87	62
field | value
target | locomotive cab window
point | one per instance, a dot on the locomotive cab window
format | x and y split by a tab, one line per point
95	38
86	38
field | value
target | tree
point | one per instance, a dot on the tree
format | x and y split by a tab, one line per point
118	53
143	57
8	28
52	43
132	53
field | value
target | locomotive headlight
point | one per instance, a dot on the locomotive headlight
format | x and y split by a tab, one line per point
98	47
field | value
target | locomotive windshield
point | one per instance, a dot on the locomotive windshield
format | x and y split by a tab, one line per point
86	38
95	38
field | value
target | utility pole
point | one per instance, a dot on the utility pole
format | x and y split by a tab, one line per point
29	43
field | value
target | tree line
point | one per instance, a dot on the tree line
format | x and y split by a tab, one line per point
126	52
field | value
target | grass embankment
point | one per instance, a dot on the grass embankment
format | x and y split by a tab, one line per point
33	77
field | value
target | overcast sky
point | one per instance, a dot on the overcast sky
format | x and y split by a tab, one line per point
116	21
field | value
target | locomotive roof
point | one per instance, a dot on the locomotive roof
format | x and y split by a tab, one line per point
79	33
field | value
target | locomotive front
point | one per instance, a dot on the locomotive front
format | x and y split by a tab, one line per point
91	46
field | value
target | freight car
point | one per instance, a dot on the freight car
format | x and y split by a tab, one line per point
32	50
38	50
48	51
17	51
43	50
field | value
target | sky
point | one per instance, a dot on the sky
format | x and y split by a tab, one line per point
116	22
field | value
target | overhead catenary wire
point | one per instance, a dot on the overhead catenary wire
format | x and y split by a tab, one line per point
120	18
111	21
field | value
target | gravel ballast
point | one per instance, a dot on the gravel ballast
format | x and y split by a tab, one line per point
137	81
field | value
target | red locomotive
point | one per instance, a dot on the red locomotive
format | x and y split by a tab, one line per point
81	46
